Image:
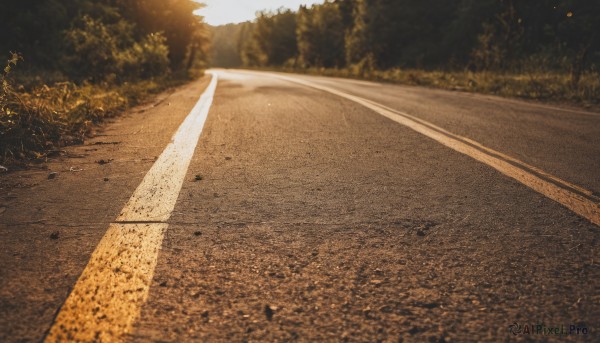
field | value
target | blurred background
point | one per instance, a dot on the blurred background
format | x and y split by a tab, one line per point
69	64
508	36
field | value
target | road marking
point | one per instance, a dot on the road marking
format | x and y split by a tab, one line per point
108	296
577	199
155	197
464	94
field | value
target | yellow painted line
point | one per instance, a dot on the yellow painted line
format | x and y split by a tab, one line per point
576	198
479	145
107	298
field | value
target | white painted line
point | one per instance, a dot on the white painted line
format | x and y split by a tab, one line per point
108	296
463	94
577	199
155	197
547	107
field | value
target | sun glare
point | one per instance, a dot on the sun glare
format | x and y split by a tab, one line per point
219	12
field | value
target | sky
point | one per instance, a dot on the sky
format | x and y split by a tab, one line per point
218	12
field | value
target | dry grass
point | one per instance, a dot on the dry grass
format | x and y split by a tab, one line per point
544	86
39	120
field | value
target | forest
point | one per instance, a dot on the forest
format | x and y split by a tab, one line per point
69	64
543	49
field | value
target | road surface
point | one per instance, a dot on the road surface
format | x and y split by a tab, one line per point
254	206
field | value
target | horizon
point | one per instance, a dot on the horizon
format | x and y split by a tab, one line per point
223	12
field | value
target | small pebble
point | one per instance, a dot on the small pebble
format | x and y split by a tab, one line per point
269	311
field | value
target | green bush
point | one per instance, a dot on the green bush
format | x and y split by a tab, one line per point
147	59
107	52
93	49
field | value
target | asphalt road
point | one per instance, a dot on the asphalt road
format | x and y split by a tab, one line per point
307	214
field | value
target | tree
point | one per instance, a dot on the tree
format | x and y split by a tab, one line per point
275	36
250	53
175	19
578	31
225	50
320	34
34	29
500	35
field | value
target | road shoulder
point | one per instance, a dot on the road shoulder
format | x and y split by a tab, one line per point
52	219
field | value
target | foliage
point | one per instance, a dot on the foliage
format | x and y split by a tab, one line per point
20	127
99	51
5	83
249	51
92	48
36	122
275	36
146	59
186	35
85	60
364	36
320	32
93	40
225	54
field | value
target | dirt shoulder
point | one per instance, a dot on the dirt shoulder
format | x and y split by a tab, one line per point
52	217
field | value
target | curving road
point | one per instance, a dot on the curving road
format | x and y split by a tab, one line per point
311	209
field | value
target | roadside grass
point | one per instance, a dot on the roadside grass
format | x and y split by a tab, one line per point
36	121
543	86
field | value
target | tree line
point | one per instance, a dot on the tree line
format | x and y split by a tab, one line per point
70	64
103	40
491	35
